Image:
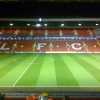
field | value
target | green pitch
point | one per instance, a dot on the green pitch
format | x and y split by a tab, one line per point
49	70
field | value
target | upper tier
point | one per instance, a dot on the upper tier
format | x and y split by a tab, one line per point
49	32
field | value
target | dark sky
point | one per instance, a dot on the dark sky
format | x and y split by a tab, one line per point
48	9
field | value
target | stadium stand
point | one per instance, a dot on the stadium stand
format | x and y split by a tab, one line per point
52	40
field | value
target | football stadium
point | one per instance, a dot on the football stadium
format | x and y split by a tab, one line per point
49	55
50	50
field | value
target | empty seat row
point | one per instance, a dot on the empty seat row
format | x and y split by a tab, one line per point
50	32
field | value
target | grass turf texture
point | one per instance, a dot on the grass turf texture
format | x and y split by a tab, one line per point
49	70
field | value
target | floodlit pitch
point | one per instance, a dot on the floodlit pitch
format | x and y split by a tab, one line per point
49	70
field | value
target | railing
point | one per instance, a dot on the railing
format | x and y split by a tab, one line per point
28	37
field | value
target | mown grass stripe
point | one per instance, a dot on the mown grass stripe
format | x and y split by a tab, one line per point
82	76
9	59
90	68
92	61
96	57
27	67
13	69
47	75
4	56
31	75
64	76
10	65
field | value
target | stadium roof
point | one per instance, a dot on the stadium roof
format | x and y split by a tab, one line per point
51	19
49	22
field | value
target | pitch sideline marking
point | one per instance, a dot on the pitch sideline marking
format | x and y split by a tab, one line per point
24	72
92	86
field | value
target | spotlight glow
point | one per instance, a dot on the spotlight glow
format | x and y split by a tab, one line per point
38	25
79	24
62	25
97	24
40	19
45	25
28	24
11	24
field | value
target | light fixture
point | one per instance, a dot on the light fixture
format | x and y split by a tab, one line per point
79	24
96	24
62	25
28	24
40	19
11	24
45	25
38	25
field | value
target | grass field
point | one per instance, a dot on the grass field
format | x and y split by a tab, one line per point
49	70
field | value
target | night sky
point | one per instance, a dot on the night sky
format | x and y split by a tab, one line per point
49	9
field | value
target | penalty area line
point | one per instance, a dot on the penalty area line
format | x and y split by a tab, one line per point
27	67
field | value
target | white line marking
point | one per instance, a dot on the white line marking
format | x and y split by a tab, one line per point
92	86
96	52
24	71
